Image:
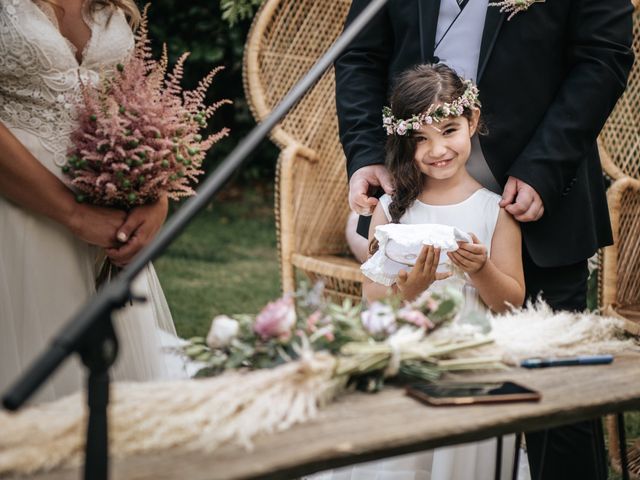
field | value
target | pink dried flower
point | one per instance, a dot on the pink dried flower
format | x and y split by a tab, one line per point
276	319
415	317
313	320
138	132
426	302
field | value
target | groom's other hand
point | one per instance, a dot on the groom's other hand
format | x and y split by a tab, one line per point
522	201
363	182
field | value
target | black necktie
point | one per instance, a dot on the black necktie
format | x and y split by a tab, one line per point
462	3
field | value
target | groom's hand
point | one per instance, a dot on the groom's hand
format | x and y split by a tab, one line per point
361	184
522	201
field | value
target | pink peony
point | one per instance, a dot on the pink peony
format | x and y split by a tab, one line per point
276	319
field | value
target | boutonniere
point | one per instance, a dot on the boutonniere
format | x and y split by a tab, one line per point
514	6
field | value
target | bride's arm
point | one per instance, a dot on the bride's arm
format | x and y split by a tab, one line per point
27	183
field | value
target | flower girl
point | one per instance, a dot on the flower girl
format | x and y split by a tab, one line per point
433	116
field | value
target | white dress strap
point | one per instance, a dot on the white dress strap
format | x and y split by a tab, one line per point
385	201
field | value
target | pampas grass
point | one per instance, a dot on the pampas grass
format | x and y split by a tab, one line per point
190	414
538	331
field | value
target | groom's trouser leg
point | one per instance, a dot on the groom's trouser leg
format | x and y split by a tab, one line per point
573	451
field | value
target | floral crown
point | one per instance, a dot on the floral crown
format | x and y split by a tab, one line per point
435	113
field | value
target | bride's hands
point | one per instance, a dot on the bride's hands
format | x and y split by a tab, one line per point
422	275
138	230
96	225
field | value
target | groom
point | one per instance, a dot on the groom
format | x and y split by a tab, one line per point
548	76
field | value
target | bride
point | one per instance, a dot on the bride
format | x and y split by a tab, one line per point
48	242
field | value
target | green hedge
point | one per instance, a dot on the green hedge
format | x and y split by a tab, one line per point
198	26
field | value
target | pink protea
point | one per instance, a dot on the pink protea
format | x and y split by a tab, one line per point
276	320
138	132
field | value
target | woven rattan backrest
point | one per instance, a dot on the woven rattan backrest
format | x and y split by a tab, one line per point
620	138
287	38
628	275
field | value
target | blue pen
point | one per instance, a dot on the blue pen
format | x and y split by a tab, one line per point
566	361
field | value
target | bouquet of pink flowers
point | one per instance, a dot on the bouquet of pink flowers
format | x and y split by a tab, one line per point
138	132
362	340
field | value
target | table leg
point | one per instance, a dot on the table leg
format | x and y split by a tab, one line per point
498	471
545	438
622	440
516	457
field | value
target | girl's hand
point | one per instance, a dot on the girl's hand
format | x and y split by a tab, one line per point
422	275
470	257
138	230
96	225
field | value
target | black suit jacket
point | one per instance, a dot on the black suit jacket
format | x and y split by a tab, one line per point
548	79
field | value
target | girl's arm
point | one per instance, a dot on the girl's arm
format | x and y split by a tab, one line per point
27	183
498	279
371	290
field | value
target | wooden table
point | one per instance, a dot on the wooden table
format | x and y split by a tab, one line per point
361	427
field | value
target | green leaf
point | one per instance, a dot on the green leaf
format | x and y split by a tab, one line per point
197	341
195	350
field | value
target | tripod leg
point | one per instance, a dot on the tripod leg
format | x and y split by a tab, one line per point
97	448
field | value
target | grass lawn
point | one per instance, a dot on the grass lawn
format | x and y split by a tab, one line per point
225	262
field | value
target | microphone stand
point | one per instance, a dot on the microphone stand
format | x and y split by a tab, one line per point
90	332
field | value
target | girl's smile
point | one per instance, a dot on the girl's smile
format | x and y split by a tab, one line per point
441	163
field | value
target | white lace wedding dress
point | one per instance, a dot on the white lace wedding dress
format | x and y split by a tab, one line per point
46	274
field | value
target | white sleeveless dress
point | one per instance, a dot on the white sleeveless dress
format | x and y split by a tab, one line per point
472	461
46	274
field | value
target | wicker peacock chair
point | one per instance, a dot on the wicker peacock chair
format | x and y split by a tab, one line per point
619	144
287	37
621	288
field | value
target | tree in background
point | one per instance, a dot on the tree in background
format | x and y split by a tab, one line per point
237	10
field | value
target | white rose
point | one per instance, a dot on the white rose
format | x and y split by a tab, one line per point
223	330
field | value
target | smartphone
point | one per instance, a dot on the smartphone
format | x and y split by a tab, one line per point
467	393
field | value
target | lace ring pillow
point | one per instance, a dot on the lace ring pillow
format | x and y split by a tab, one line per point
400	244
